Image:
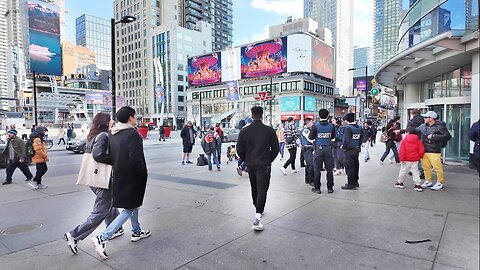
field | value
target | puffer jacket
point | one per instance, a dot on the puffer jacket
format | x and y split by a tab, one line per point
40	151
411	148
416	121
439	134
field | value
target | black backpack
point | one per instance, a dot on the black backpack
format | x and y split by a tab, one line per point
202	160
29	148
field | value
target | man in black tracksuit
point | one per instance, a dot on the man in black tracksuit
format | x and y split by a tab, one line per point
258	146
352	140
323	133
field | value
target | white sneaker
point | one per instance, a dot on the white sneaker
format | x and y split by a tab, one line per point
71	242
257	225
100	246
437	186
119	233
41	186
139	236
283	170
427	184
33	184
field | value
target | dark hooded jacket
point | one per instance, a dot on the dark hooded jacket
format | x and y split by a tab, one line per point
474	136
440	134
416	121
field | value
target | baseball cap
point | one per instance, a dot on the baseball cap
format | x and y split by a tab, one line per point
430	114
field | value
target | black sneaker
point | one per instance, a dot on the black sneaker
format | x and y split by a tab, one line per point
357	185
399	185
139	236
422	176
316	190
6	183
330	190
349	187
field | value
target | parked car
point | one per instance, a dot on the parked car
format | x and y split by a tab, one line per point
231	135
77	146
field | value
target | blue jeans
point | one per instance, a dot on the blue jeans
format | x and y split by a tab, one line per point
117	223
282	148
366	145
215	159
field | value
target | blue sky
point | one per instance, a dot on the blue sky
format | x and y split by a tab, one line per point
251	17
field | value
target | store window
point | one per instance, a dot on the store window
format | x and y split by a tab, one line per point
466	80
435	88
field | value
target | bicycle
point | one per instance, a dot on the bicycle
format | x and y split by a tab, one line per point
49	144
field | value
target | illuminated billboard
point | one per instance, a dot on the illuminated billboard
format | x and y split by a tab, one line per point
231	65
44	38
205	69
264	58
290	103
299	53
323	59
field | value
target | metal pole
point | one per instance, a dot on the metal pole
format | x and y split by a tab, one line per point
200	112
366	86
270	94
35	115
113	81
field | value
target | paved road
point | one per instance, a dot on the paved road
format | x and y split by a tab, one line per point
202	220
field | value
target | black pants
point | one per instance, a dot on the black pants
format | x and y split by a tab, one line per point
309	170
41	170
352	166
390	145
259	181
338	157
291	159
323	159
302	158
60	140
13	165
24	137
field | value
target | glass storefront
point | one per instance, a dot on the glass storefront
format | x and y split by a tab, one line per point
455	83
458	123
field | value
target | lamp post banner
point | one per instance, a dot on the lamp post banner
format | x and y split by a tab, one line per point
232	91
159	92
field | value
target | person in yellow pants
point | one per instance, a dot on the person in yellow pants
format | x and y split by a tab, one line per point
435	136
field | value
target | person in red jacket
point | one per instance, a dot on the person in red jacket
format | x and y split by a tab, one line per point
411	151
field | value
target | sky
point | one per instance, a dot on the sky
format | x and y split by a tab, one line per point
251	18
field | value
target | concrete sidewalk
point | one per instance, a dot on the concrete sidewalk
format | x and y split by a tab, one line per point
202	220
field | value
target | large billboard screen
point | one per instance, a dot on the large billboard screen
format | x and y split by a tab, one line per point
264	58
299	53
290	103
323	59
44	36
205	69
231	65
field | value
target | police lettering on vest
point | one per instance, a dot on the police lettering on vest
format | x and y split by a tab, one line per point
356	135
324	134
304	138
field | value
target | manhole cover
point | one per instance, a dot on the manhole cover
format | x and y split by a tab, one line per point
21	228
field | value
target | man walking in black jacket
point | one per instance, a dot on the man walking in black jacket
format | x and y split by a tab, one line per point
258	146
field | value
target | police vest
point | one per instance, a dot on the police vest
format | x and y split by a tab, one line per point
304	140
324	134
356	135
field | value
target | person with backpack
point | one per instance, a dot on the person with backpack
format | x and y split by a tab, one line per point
435	136
397	138
209	145
219	131
40	158
411	152
97	144
390	141
16	157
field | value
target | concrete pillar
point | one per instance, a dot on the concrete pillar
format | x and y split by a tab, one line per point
411	94
475	101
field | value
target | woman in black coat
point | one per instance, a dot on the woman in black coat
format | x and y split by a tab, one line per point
390	144
188	135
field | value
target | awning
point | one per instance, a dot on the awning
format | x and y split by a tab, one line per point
220	117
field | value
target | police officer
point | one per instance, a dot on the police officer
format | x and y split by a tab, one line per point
323	133
307	149
352	140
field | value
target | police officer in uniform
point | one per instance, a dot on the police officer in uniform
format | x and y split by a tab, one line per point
307	149
323	132
352	140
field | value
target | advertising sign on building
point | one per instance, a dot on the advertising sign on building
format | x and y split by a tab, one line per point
264	59
44	38
204	70
99	98
310	104
299	53
231	64
232	91
361	85
291	103
160	94
323	59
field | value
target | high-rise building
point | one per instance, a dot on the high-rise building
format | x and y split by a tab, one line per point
307	25
75	56
338	17
387	16
218	13
362	57
94	33
133	49
3	57
172	46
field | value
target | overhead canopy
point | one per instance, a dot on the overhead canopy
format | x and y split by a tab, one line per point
220	117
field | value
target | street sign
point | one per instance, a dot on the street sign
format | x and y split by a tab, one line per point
374	91
263	96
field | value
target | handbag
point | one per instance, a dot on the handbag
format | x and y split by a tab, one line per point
93	173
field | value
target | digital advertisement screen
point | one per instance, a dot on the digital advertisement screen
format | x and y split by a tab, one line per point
265	58
205	69
310	104
290	103
323	59
299	53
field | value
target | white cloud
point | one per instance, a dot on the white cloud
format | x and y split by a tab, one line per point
363	23
292	8
254	37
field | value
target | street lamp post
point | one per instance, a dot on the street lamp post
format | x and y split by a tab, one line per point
125	19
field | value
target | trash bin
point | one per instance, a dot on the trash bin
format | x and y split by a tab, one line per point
168	130
143	131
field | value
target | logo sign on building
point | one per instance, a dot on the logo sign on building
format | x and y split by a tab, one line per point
232	91
264	58
205	70
160	94
361	85
291	103
44	38
310	104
